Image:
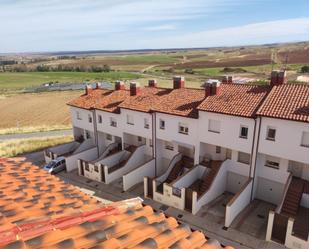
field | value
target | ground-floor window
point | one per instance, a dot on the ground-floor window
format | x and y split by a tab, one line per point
243	157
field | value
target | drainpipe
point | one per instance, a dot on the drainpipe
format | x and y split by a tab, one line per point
256	154
252	149
154	140
95	131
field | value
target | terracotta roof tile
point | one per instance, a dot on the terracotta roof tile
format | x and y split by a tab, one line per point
30	199
102	99
182	102
287	102
236	99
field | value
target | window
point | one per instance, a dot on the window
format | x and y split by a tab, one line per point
150	143
214	126
272	162
243	157
130	120
139	139
169	146
243	132
218	149
305	139
183	128
162	124
87	167
87	134
78	116
146	123
96	168
113	122
271	134
100	119
109	137
89	118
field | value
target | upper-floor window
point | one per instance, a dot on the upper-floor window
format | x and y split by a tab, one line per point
183	128
169	146
113	122
100	119
271	133
272	162
218	149
305	139
109	137
78	116
162	124
130	120
146	123
243	132
243	157
214	126
89	118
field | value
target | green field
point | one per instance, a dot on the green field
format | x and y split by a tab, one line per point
15	81
157	59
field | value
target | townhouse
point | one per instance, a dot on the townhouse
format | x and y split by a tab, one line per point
191	146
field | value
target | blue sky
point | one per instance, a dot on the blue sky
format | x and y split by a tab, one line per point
62	25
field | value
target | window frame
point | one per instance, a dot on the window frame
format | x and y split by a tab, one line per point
146	123
161	121
130	122
183	128
240	132
209	126
78	116
90	118
100	119
243	162
96	168
267	133
304	133
169	146
113	122
109	137
218	150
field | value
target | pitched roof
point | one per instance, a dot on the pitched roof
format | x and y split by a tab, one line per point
236	99
102	99
181	102
288	101
148	97
37	210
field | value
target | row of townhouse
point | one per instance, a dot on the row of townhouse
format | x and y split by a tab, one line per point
190	146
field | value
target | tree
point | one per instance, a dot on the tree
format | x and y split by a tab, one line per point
305	69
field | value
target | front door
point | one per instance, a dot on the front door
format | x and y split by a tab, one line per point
188	200
296	168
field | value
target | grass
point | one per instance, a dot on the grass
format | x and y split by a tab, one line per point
29	129
154	58
14	81
18	147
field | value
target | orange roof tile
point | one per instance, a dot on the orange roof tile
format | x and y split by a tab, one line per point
37	210
181	102
287	102
236	99
102	99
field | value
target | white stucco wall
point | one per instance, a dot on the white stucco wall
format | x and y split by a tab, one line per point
82	123
106	127
229	131
287	143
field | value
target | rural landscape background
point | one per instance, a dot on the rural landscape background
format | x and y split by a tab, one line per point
24	108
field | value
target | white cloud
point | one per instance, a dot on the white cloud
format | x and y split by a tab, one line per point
161	27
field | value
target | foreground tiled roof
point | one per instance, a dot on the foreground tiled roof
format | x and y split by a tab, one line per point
38	210
182	102
102	99
236	99
287	102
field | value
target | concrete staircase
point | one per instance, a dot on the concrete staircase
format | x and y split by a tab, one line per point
207	181
293	197
178	169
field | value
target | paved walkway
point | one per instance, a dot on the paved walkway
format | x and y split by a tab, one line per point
36	134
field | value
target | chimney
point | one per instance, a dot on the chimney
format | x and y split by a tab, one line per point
119	85
207	90
88	89
225	79
152	83
215	88
178	82
230	79
278	77
135	89
212	88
